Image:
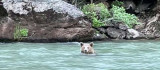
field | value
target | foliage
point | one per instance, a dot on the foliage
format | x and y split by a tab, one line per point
20	33
117	3
120	14
24	32
78	3
97	13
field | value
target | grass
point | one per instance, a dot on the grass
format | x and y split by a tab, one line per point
20	33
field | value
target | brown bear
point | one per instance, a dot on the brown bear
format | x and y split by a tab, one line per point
87	48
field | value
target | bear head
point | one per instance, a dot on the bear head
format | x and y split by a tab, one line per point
87	48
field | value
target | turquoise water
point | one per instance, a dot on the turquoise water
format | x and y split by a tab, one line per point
116	55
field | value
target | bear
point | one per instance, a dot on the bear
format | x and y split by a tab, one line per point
87	48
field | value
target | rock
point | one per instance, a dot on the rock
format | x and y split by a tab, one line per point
122	26
47	21
133	32
27	6
146	5
130	36
114	30
99	36
56	12
116	33
130	6
61	34
116	24
102	30
140	27
6	31
150	31
2	11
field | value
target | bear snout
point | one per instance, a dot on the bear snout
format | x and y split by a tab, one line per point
85	51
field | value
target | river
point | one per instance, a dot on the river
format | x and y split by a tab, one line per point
110	55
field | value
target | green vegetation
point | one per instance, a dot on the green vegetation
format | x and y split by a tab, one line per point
97	13
120	15
24	32
20	33
117	3
79	3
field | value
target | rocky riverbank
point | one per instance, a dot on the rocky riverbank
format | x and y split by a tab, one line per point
59	21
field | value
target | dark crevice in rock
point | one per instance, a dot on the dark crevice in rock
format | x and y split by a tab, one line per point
3	11
5	40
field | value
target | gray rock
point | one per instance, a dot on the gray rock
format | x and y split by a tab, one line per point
99	36
133	32
135	35
6	30
102	30
116	33
123	27
27	6
117	24
53	20
61	34
151	31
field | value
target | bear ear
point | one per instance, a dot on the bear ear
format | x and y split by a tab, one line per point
91	44
81	43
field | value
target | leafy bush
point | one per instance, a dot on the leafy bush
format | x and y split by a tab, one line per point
117	3
120	15
24	32
97	13
20	33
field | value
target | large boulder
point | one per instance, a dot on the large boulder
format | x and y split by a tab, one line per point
116	33
118	30
53	20
6	29
151	28
134	34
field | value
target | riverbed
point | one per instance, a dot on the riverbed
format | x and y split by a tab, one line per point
110	55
